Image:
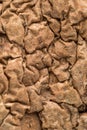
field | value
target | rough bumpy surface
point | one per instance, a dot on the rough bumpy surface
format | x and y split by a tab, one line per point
43	64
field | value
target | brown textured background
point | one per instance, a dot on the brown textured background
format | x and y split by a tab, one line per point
43	64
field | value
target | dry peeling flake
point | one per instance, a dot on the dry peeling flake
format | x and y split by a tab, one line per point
43	64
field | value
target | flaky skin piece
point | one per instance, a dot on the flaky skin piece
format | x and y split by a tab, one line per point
43	64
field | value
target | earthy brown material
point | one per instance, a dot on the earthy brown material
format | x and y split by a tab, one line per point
43	64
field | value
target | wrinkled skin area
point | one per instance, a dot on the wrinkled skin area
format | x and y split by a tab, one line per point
43	64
